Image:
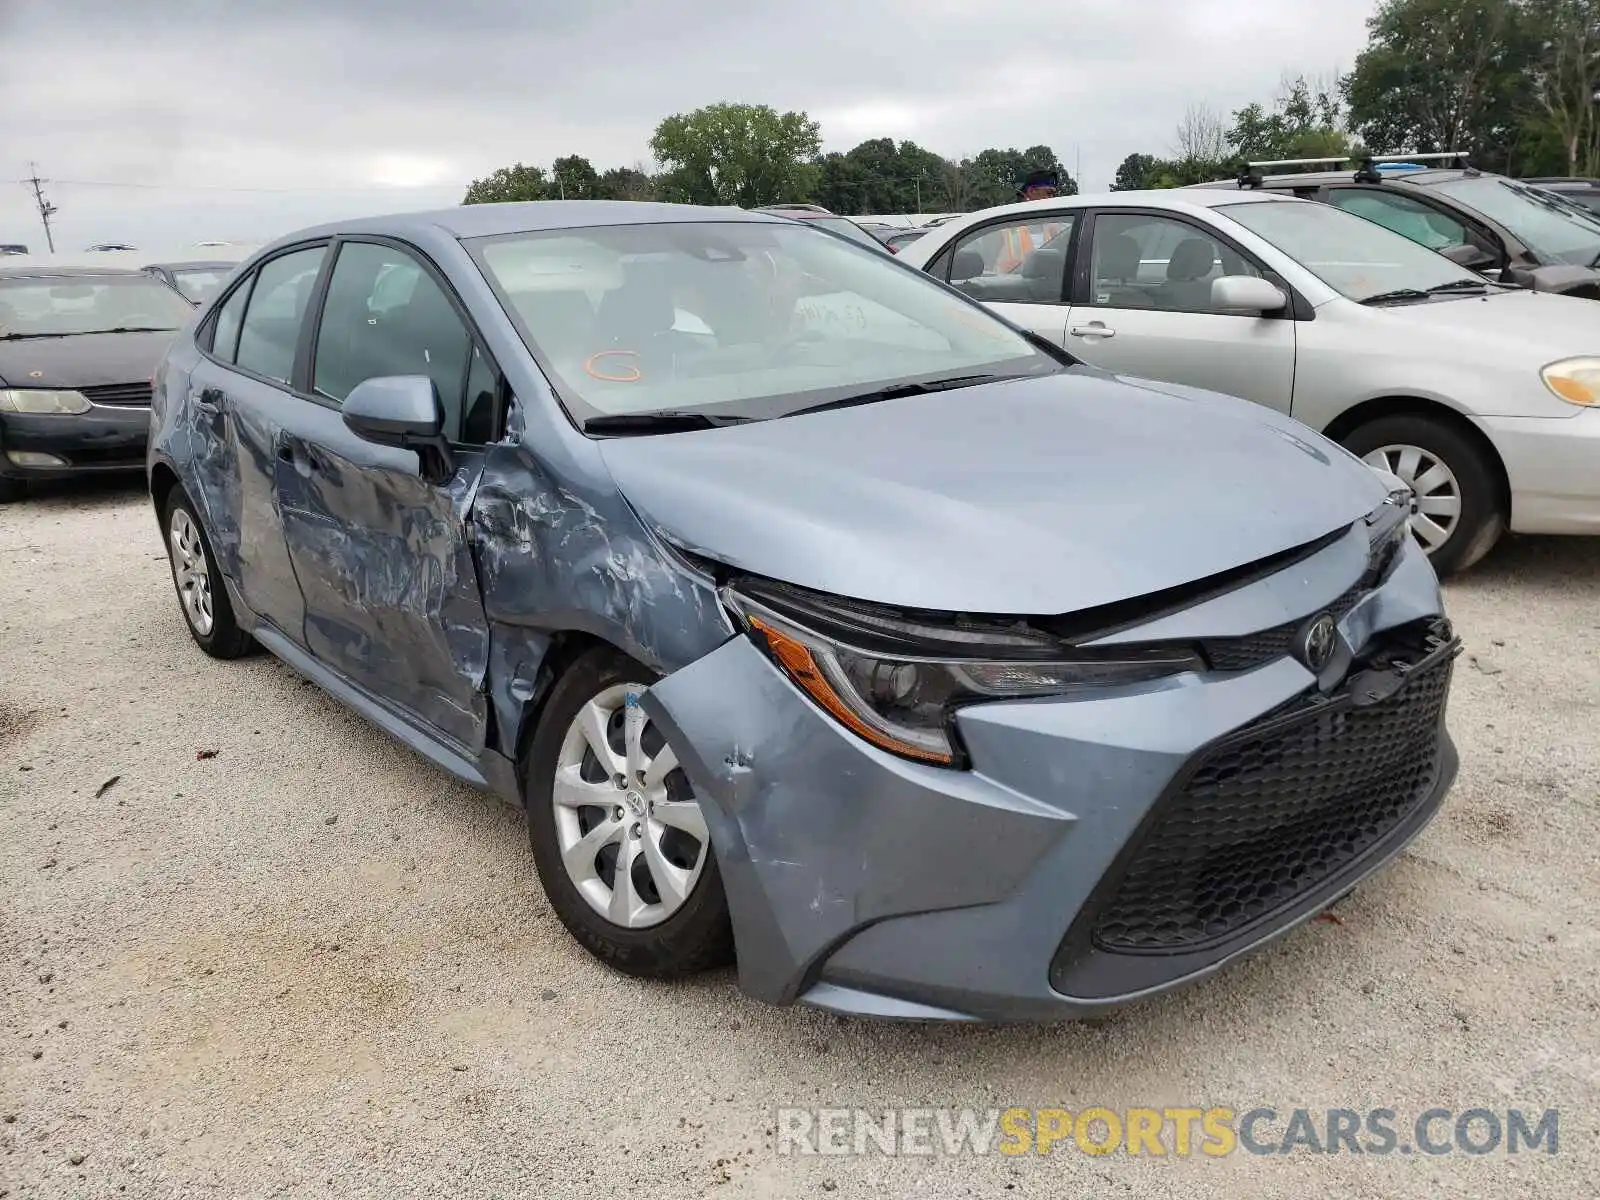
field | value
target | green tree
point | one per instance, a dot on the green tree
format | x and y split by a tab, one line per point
1304	122
508	183
574	178
1566	81
993	175
1445	75
1133	172
744	154
626	183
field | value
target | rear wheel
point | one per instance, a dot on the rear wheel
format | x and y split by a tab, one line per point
618	835
1460	514
202	596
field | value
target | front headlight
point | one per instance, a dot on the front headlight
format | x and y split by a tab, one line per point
897	682
43	401
1575	380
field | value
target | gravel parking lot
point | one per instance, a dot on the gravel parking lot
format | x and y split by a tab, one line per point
250	947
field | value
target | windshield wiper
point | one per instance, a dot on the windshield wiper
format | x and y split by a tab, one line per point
1396	294
136	329
1460	285
898	390
21	337
666	421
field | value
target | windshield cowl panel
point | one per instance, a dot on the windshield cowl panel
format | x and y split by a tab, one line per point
734	319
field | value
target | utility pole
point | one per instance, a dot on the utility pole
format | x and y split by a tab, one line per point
46	209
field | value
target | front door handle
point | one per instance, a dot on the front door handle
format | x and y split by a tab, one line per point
208	400
1094	329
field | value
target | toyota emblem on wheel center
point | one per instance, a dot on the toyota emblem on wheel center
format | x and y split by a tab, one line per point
1318	642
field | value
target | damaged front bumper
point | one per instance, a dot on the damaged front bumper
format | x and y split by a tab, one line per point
1097	850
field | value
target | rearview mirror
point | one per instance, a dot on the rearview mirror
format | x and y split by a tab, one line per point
1471	257
1246	294
402	411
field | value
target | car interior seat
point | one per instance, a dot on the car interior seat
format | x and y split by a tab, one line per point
1189	275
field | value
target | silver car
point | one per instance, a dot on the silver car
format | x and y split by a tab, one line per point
816	615
1484	399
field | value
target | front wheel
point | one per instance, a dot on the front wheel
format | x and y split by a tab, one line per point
618	835
11	489
1460	514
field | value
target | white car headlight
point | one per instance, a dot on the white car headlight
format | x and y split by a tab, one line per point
43	401
1575	380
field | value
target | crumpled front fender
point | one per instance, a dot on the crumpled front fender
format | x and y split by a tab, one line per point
818	834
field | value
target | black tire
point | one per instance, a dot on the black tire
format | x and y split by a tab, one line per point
224	639
696	937
11	489
1483	515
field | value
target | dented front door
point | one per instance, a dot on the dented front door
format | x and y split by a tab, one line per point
391	594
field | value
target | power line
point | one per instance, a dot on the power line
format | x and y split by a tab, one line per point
208	187
46	209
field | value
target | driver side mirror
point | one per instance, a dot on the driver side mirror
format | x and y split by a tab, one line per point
402	411
1473	258
1246	294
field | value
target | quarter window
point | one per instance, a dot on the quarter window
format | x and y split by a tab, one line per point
1021	261
385	315
278	303
1145	261
225	333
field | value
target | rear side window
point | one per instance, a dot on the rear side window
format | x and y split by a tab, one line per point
385	315
271	327
225	334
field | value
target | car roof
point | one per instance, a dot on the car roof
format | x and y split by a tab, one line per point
1180	199
1419	175
198	264
490	220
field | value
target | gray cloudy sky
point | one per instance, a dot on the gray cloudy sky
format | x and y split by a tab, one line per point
347	106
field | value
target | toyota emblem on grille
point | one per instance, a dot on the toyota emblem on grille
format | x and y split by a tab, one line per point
1318	642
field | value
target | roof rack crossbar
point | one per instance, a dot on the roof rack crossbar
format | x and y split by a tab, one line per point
1335	159
1446	156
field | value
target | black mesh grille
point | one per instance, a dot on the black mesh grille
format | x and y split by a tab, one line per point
1273	812
120	395
1253	649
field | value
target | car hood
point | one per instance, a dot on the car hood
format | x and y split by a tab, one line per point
1508	326
1027	497
85	360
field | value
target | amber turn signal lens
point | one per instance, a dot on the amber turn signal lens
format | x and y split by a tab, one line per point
801	666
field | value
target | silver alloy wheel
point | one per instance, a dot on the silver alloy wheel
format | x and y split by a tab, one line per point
1434	485
190	573
612	790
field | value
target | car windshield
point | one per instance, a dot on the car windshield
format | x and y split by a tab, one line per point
198	285
1553	227
748	319
1352	255
62	305
847	229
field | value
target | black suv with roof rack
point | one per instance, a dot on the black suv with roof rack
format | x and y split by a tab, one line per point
1510	229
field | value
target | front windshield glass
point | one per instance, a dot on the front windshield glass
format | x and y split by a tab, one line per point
1555	229
198	286
742	318
63	305
1352	255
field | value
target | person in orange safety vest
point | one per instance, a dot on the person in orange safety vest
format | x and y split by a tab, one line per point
1019	241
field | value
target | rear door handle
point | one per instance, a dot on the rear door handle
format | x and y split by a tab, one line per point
1093	330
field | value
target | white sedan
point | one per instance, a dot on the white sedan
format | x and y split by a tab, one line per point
1484	399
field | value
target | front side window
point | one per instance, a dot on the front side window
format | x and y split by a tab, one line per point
1354	256
741	318
278	302
385	315
65	305
1551	227
1409	218
1023	260
1140	260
